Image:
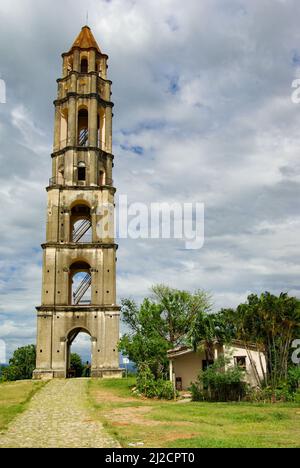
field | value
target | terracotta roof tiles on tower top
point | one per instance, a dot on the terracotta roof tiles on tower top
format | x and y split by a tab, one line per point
86	40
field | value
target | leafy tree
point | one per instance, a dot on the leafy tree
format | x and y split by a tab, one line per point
76	364
21	365
162	322
271	323
179	310
209	328
144	343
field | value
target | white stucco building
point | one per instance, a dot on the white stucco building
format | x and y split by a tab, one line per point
185	363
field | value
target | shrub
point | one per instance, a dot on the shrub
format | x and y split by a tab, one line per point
283	393
145	382
165	390
196	391
218	384
297	397
148	386
294	379
270	395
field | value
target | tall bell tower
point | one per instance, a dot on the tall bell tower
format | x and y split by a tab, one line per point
79	262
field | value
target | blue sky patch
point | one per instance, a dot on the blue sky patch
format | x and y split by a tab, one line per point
139	150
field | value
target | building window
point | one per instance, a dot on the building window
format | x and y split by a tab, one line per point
240	361
81	172
84	66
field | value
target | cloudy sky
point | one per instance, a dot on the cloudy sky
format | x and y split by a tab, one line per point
203	113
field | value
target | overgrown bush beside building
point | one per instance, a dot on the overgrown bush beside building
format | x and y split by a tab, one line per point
286	391
220	383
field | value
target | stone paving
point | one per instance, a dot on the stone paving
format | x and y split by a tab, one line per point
58	416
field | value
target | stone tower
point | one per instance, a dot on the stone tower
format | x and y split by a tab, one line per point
79	262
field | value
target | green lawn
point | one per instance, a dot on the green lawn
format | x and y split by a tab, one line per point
13	399
172	424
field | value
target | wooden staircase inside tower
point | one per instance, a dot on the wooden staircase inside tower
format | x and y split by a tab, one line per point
81	230
81	290
83	137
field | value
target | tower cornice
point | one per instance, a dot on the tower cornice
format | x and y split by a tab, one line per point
62	188
67	54
100	152
91	308
58	102
75	246
92	73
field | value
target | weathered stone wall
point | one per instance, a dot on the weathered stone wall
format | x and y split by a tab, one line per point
59	320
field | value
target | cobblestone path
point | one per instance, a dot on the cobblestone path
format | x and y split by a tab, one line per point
57	416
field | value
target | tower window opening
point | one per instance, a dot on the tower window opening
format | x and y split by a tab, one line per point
80	284
84	67
83	127
81	174
81	224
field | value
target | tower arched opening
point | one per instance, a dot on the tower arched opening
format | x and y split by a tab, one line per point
80	284
81	172
81	224
84	65
79	353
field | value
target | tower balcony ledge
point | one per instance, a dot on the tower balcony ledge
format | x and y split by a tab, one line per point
73	94
102	152
76	246
92	73
82	188
108	308
76	47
